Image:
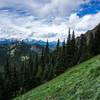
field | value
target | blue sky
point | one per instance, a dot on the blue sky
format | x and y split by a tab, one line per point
47	19
90	8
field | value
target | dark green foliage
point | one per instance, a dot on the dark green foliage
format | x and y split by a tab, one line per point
1	86
83	49
68	51
7	80
74	49
96	42
31	67
90	45
58	44
71	50
46	53
14	81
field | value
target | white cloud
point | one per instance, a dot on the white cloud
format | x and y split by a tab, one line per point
58	7
88	22
44	8
57	17
28	27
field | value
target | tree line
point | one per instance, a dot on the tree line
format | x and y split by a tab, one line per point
17	79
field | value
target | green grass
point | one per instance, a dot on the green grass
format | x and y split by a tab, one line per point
81	82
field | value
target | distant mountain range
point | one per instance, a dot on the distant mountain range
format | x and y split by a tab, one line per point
27	41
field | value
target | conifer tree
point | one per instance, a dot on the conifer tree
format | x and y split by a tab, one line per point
82	49
42	62
46	53
68	50
36	64
73	49
63	52
57	47
63	46
90	45
47	48
26	76
14	81
7	83
58	58
31	67
42	58
7	69
1	87
69	37
62	57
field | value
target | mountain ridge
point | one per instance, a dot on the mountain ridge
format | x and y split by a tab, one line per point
30	42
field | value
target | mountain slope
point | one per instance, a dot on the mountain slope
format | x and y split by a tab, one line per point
82	82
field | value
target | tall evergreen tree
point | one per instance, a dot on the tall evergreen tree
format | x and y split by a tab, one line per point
42	62
26	76
82	53
63	56
47	48
14	81
68	50
64	46
2	94
46	53
73	49
7	69
42	59
90	45
36	64
69	36
7	78
57	47
31	66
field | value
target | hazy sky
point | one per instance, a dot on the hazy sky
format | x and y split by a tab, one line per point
47	19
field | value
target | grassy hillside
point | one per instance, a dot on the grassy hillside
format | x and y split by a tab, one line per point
82	82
